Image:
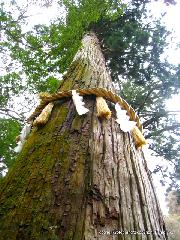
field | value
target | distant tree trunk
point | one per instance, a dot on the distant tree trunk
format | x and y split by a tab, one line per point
80	177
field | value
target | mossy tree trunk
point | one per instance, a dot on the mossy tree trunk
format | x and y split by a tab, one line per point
79	176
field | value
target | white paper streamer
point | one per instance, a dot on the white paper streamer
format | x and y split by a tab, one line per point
24	133
19	146
125	124
78	102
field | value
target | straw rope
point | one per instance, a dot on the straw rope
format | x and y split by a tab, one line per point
99	92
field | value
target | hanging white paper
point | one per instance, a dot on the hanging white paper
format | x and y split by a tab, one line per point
125	124
79	104
19	146
24	133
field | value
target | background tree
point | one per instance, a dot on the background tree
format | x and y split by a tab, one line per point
132	46
173	224
173	218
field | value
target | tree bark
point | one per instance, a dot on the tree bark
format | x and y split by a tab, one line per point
80	177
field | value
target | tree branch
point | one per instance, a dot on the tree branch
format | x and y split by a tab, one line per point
168	128
9	113
153	119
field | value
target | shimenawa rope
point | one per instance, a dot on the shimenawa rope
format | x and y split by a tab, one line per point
98	92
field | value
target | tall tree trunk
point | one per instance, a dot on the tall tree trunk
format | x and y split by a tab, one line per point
80	177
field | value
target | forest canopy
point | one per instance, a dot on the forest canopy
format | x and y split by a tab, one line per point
133	44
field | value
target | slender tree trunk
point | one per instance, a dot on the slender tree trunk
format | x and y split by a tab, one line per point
80	177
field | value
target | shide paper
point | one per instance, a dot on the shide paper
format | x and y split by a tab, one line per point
79	104
24	133
125	124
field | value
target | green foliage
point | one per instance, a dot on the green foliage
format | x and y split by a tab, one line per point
10	84
47	51
9	129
